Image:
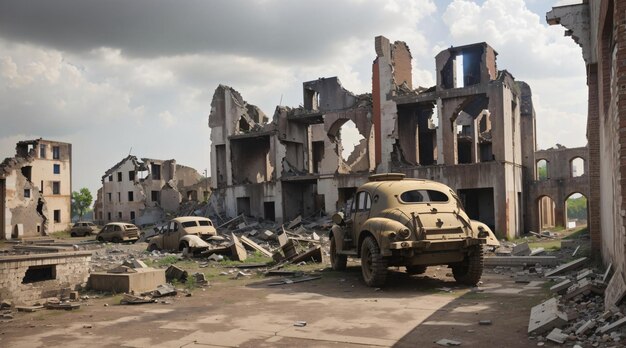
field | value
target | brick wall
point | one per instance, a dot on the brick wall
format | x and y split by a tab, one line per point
71	268
593	163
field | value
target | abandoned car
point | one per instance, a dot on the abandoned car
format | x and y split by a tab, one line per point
118	232
187	232
83	228
395	221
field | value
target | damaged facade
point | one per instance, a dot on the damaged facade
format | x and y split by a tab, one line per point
598	28
144	191
35	189
466	132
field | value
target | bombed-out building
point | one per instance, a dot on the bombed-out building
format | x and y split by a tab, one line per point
36	189
144	191
466	131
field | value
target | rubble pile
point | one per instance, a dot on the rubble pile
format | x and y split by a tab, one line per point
576	315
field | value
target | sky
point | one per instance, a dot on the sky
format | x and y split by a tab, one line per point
123	77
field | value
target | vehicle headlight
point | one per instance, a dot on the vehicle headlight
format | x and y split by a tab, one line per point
404	233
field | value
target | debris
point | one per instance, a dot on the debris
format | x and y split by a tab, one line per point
241	274
521	250
254	246
87	326
283	273
484	322
510	261
295	222
300	323
6	304
562	286
613	326
582	287
29	308
315	236
238	252
267	235
251	265
215	257
132	299
200	279
448	343
575	251
589	324
557	336
162	290
537	251
175	272
74	295
287	246
122	269
570	266
313	254
606	273
62	305
545	317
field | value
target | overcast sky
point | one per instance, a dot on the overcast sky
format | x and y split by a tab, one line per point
119	76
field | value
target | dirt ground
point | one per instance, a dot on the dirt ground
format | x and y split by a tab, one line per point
339	311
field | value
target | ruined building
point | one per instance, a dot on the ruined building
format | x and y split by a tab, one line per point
144	191
598	27
35	189
466	132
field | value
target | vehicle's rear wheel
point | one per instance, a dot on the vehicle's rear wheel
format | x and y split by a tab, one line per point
337	262
183	245
470	270
416	269
373	264
100	239
73	234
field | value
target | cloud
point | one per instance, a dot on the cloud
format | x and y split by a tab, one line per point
276	29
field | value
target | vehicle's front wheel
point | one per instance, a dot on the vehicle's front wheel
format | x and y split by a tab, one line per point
415	269
100	239
470	270
73	234
373	264
183	245
337	262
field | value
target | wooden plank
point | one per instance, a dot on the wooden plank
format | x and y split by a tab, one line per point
251	244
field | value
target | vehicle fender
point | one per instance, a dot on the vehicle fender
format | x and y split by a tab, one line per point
382	229
158	241
339	233
478	226
194	241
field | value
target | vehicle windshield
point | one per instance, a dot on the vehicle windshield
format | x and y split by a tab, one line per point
423	196
189	224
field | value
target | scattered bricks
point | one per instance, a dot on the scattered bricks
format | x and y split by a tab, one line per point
545	317
557	336
571	314
510	261
561	287
521	250
570	266
588	325
612	327
581	288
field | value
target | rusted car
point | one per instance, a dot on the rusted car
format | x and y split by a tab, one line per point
414	223
187	232
118	232
83	228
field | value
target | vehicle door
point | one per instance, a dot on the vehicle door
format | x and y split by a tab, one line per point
106	232
117	232
170	238
361	212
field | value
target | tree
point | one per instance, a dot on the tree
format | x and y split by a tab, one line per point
81	202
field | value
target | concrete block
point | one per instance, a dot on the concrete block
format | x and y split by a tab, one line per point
562	286
520	260
238	252
570	266
537	251
267	235
145	279
584	274
175	272
545	317
615	290
521	250
581	288
556	335
613	326
590	324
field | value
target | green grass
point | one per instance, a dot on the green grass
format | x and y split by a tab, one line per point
256	257
577	234
549	245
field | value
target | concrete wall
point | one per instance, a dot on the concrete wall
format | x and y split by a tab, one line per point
71	272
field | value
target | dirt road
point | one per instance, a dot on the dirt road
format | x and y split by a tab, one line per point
338	309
